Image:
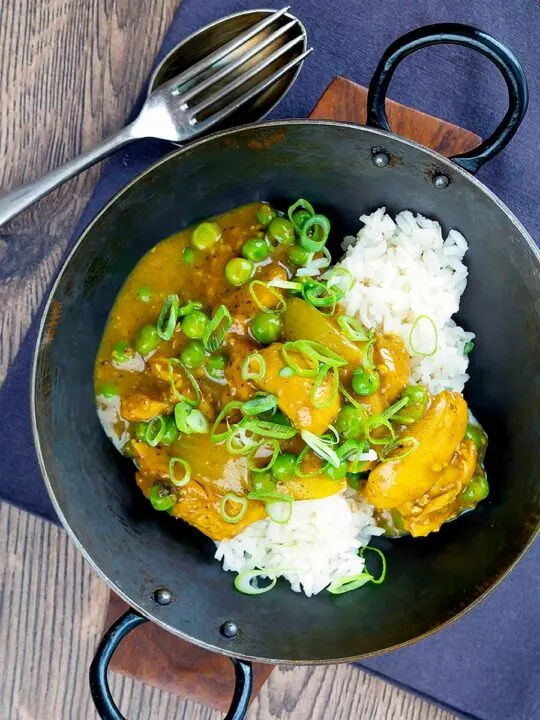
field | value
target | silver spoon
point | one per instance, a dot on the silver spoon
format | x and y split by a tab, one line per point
234	70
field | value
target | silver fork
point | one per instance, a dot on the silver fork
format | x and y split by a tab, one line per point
168	113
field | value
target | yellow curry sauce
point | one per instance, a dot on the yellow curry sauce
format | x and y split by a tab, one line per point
307	426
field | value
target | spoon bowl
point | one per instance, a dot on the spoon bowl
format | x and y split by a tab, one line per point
213	36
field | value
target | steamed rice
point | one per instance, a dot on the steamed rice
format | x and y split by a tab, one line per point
403	270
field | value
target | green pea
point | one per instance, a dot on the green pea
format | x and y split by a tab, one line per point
215	367
109	390
189	256
300	217
140	431
476	490
365	382
263	481
205	236
418	397
192	354
298	255
238	271
476	434
171	431
161	497
147	339
122	352
194	324
350	422
284	467
265	214
281	230
255	249
144	294
266	327
336	473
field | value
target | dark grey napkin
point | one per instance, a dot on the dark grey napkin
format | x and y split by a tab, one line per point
487	664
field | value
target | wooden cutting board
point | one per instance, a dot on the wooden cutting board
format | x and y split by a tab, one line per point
155	656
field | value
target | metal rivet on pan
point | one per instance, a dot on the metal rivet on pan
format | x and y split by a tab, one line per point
441	181
229	629
380	159
163	596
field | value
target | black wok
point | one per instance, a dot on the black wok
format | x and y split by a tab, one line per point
163	568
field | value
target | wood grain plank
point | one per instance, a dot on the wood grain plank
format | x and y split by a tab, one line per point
69	74
52	609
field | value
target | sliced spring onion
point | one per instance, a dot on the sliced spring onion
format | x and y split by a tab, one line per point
267	429
243	580
320	448
269	496
179	482
231	497
181	411
285	284
299	463
310	366
320	353
308	271
197	422
175	362
377	421
350	447
229	407
217	328
335	276
239	443
381	577
353	582
189	307
300	204
346	394
423	325
329	395
280	307
279	512
392	411
259	404
348	583
353	328
468	347
367	355
168	317
155	430
315	232
260	367
286	372
406	444
274	444
321	295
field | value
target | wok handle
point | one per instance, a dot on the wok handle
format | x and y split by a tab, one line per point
457	34
99	686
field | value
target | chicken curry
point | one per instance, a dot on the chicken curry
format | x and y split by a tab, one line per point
231	376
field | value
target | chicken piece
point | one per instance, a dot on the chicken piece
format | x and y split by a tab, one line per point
428	480
212	475
237	387
302	321
293	394
138	407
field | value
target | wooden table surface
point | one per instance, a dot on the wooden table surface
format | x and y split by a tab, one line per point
69	72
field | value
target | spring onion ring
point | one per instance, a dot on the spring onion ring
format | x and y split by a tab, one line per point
155	430
231	497
172	472
280	307
216	330
432	348
320	448
168	317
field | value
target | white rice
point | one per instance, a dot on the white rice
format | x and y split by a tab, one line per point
402	270
318	545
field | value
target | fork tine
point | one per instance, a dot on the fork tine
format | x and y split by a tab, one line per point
238	102
268	40
244	77
222	52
